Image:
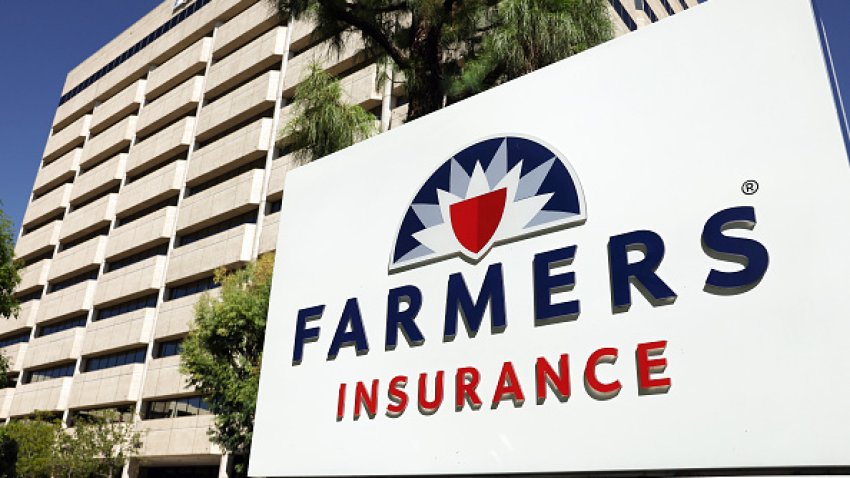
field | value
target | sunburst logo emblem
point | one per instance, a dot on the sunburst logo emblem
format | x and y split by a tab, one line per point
493	192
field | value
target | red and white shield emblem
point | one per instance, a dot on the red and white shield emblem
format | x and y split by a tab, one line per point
475	220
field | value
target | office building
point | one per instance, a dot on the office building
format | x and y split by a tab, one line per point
164	163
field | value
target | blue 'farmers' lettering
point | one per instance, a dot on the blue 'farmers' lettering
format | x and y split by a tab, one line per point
747	252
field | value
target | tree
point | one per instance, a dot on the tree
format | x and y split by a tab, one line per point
530	34
8	455
9	269
98	446
430	41
221	355
38	447
323	123
35	438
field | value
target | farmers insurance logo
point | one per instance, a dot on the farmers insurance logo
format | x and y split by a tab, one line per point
495	191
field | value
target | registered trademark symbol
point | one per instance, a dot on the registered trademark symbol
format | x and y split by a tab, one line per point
750	187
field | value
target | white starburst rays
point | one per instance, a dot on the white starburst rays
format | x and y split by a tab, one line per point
523	206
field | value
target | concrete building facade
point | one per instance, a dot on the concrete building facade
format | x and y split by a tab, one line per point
165	162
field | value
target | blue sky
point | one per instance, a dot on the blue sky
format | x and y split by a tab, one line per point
40	41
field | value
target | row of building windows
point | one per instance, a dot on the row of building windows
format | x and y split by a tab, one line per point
644	5
168	348
120	414
195	287
125	307
121	221
624	14
61	326
72	281
44	192
48	254
180	407
115	360
44	221
49	373
93	198
163	349
64	246
247	218
258	164
115	265
274	206
29	297
15	339
144	42
152	168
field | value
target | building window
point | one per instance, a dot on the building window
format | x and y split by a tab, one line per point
258	164
64	246
181	407
115	360
160	250
28	297
226	225
144	212
56	327
624	15
120	414
184	14
125	307
190	288
48	254
15	339
649	11
11	380
168	348
274	206
64	284
49	373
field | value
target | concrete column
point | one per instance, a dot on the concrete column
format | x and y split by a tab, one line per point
225	466
130	470
387	100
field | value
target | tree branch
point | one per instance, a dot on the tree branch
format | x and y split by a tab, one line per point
367	27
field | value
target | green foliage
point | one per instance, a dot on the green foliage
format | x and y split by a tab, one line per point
222	354
97	447
4	370
323	123
35	438
530	34
448	49
9	269
39	447
8	455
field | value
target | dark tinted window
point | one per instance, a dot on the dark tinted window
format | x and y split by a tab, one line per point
226	225
174	21
624	15
15	339
125	307
50	373
115	360
56	327
181	407
190	288
168	348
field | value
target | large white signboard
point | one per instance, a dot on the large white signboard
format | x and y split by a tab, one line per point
632	260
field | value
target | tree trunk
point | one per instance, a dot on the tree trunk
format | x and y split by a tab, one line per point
425	87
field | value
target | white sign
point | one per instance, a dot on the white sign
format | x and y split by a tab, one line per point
631	260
